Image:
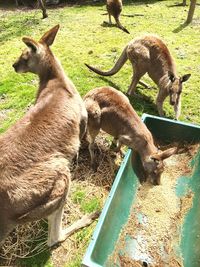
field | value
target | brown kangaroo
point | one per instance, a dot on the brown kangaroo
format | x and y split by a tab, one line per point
37	150
110	110
114	8
42	5
148	54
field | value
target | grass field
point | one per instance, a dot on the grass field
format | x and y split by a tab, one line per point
83	39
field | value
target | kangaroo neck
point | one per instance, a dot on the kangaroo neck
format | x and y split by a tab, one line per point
51	72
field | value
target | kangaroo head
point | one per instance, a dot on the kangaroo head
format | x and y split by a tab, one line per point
154	165
175	87
37	54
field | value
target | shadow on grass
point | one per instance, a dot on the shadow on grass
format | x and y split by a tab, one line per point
18	27
140	102
108	25
143	103
39	260
132	16
177	5
180	27
109	83
28	252
10	4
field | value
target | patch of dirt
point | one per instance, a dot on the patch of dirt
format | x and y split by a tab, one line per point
153	227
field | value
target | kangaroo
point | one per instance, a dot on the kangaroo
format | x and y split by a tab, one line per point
110	110
148	54
37	150
42	5
114	8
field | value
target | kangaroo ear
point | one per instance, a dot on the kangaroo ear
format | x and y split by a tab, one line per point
48	37
164	154
171	76
30	43
185	77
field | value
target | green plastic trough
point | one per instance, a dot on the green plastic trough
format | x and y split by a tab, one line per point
117	207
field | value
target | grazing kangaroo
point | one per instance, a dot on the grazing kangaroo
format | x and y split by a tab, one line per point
150	55
110	110
114	8
37	150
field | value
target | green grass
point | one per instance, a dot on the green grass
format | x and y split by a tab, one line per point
91	205
87	203
82	39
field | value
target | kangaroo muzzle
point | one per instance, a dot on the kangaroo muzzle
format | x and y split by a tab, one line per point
15	66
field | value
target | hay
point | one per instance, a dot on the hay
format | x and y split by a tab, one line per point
29	240
24	242
155	218
127	262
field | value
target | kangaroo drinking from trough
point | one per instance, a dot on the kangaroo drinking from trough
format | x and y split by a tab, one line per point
114	8
150	55
37	150
110	110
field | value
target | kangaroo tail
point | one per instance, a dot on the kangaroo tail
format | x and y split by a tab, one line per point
118	65
119	25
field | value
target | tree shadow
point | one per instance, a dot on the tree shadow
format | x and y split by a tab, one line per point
132	16
180	27
180	5
141	2
10	4
177	5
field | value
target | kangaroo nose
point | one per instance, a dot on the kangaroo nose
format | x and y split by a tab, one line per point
14	65
172	102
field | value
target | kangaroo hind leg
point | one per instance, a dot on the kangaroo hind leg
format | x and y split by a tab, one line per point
138	72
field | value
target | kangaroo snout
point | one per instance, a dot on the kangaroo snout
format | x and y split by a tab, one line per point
15	65
172	102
